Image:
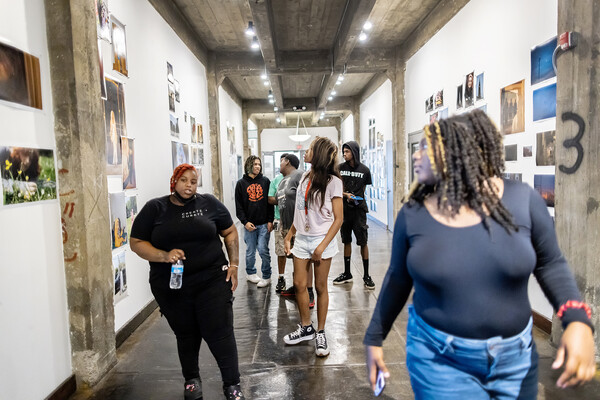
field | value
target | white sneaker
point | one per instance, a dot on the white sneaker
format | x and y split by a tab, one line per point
321	348
263	283
253	278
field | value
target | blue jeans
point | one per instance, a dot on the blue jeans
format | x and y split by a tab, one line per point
446	367
258	239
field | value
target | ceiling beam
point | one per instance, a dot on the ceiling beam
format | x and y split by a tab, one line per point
176	19
356	14
262	15
263	107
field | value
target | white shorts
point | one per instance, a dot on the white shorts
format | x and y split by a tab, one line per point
304	246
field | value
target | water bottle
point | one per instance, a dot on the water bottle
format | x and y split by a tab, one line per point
176	275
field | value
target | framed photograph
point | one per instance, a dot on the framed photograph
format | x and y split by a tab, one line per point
459	97
20	80
544	184
545	142
180	152
119	47
527	151
510	152
544	102
118	220
103	20
541	61
28	175
129	181
479	87
469	83
114	125
512	108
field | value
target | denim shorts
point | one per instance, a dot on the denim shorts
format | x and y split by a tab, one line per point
446	367
304	246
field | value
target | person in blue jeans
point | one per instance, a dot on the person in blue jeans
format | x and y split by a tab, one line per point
467	242
256	214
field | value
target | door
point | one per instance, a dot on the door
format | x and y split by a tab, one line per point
389	161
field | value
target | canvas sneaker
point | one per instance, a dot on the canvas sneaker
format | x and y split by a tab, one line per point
342	278
264	282
291	291
301	334
369	284
321	348
193	389
233	392
280	284
253	278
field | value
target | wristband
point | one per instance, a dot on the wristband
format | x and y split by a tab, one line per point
574	304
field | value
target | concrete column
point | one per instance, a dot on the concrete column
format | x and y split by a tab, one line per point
79	129
212	83
356	119
245	116
399	140
577	192
259	129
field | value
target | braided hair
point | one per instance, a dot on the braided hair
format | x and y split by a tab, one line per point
465	152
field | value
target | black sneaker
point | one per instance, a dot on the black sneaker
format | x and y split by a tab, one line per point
301	334
280	284
193	389
342	278
311	299
369	284
233	392
291	291
321	348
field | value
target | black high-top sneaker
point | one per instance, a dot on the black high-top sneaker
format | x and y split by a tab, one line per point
233	392
193	389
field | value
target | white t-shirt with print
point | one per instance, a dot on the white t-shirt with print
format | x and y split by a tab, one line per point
319	220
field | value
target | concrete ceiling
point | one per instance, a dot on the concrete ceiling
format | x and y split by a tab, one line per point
304	46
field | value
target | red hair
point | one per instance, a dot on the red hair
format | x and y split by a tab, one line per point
178	171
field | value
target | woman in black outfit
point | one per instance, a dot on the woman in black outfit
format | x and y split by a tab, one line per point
186	226
467	241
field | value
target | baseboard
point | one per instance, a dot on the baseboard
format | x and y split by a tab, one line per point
134	323
65	390
542	322
377	222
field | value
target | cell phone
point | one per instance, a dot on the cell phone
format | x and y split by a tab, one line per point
379	384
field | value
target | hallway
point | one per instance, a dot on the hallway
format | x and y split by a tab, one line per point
148	366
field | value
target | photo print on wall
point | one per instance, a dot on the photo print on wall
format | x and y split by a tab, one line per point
180	153
119	46
459	97
545	147
469	89
544	184
129	181
177	89
171	97
20	80
479	87
101	70
118	219
439	99
103	20
512	108
541	61
431	103
544	102
28	175
114	125
130	211
170	76
174	125
510	152
119	267
527	151
513	176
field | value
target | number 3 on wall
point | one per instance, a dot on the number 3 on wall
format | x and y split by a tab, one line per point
574	142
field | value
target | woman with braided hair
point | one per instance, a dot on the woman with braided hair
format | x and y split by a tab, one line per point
187	226
467	242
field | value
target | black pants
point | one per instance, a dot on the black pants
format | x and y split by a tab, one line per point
203	313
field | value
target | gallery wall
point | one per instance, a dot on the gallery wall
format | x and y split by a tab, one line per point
376	122
232	146
348	129
493	37
278	139
33	301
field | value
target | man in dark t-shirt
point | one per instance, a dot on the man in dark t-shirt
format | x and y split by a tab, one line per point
355	176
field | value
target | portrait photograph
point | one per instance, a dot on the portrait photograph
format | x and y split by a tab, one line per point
544	184
545	147
180	152
459	97
128	164
439	99
479	87
512	108
118	219
131	211
510	152
469	89
20	80
541	61
544	102
28	175
119	47
103	20
114	125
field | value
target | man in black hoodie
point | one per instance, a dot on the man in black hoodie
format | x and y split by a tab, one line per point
355	176
256	214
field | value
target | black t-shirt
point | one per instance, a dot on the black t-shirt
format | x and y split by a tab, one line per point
193	228
355	180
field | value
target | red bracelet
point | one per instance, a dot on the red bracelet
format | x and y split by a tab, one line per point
574	304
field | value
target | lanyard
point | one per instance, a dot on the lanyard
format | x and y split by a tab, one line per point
306	198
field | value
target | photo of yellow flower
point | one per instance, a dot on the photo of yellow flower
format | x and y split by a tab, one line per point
28	175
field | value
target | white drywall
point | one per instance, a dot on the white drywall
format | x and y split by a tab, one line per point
230	114
348	129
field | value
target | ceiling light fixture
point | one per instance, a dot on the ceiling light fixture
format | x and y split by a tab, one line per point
266	83
250	29
330	98
367	26
271	101
254	45
270	93
278	120
275	108
362	37
264	75
333	92
297	137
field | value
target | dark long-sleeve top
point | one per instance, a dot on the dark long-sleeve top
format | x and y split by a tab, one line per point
472	283
251	200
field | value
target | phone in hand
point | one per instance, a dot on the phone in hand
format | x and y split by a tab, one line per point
379	383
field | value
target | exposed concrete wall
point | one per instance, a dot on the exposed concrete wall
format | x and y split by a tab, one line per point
214	125
78	112
399	140
577	193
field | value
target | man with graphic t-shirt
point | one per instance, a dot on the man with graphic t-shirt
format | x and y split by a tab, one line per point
355	176
256	214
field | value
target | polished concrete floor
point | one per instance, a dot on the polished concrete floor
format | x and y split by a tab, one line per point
148	366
